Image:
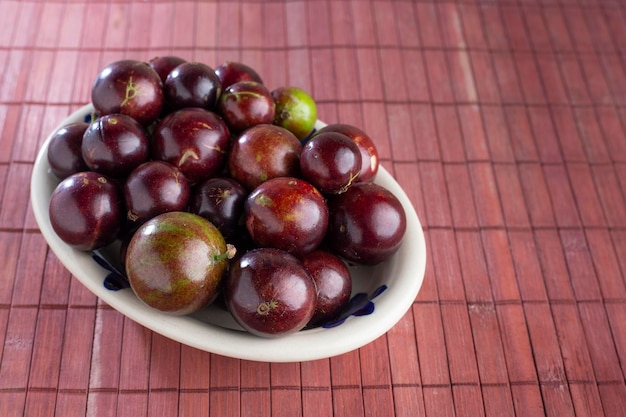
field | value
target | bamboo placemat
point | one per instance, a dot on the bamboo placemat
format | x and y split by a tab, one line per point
505	123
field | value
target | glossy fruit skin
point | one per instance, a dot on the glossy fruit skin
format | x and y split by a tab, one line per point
221	201
367	224
296	110
270	293
129	87
331	162
333	283
231	72
114	145
287	213
245	104
163	65
153	188
194	140
264	152
86	210
64	150
175	262
192	84
369	152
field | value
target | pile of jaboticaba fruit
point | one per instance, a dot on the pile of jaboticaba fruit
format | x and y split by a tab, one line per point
215	185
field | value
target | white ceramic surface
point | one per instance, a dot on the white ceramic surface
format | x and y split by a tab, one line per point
213	329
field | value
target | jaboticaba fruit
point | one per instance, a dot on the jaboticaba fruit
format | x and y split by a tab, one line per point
194	140
369	152
286	213
270	293
367	224
86	210
129	87
175	262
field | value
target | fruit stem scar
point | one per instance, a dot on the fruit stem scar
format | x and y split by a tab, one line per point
132	91
265	307
189	153
284	115
353	177
215	148
132	216
263	200
243	95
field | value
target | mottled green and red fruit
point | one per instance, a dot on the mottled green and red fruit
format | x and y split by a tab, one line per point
270	293
296	110
129	87
86	210
175	262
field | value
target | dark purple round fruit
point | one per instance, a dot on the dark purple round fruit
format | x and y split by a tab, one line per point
333	283
331	162
163	65
129	87
231	72
270	293
153	188
221	200
264	152
114	145
175	262
367	224
245	104
194	140
287	213
369	152
64	150
192	84
86	210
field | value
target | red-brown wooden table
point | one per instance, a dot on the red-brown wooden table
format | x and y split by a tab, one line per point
503	120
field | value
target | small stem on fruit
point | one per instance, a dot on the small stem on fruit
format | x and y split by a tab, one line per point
353	177
264	308
132	216
231	250
229	254
132	91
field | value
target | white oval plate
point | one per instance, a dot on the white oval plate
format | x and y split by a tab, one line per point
213	329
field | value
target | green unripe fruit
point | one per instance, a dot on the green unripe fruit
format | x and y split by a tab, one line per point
295	110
